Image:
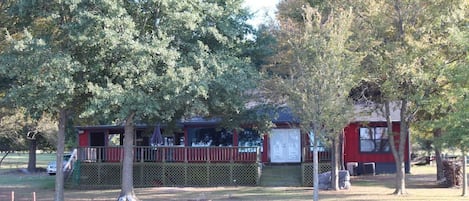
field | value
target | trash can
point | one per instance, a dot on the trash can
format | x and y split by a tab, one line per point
351	167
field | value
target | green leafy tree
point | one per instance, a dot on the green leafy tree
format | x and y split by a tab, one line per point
403	39
43	81
127	72
455	123
446	16
12	134
19	131
161	61
316	74
44	76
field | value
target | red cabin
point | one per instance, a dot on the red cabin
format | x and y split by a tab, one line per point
366	147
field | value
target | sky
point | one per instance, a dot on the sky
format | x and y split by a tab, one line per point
260	8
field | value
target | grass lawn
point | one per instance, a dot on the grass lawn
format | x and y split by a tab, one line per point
20	160
421	185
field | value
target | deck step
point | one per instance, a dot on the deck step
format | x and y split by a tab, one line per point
281	175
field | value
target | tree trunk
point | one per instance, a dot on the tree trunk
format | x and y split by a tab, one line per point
438	160
341	151
32	155
398	152
59	177
400	180
4	156
127	186
334	164
315	168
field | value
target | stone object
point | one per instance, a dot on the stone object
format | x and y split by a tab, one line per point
325	180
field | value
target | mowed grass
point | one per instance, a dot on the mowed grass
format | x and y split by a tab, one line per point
421	185
20	160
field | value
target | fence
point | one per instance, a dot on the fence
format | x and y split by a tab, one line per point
108	175
172	154
13	196
323	155
307	172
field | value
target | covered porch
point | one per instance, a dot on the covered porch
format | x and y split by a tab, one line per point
181	154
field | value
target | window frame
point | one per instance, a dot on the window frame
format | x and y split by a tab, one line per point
379	139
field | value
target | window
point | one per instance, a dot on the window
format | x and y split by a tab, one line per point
248	140
205	137
374	139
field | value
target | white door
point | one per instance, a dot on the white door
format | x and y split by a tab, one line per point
285	146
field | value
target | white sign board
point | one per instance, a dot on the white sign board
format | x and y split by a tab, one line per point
285	146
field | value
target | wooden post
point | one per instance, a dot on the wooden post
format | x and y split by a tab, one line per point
34	196
141	154
12	195
232	150
258	154
304	154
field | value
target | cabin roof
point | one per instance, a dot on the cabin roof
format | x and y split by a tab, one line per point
375	112
363	113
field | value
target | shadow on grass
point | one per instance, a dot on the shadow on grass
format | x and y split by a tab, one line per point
416	181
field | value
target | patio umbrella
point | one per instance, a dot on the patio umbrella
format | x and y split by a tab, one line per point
156	138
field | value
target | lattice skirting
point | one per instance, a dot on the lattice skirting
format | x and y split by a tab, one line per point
108	175
307	171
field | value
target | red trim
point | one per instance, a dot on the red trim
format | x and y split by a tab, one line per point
235	137
83	138
265	153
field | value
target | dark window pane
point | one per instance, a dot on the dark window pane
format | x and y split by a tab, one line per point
209	137
374	139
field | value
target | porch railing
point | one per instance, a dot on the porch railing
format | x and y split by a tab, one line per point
172	154
324	155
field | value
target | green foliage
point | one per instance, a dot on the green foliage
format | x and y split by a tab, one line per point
441	57
15	125
455	123
159	60
319	68
176	59
42	78
408	60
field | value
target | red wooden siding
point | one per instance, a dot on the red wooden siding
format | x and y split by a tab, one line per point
352	145
83	138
